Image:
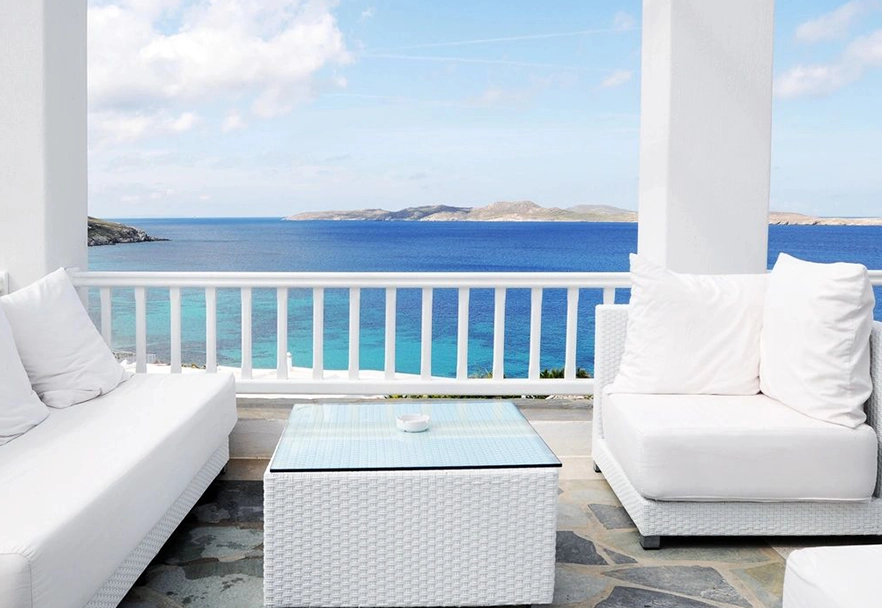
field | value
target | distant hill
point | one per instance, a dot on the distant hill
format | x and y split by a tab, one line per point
528	211
798	219
503	211
102	232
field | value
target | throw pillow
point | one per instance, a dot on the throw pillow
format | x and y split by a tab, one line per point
61	350
20	408
815	344
691	334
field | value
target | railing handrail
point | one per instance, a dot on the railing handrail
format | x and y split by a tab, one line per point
416	279
379	280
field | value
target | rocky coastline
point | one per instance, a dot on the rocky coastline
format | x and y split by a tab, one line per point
102	232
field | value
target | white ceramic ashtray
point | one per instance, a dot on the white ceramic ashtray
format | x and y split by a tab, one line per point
412	423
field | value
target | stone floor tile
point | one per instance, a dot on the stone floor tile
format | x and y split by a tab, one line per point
700	582
574	586
245	469
223	543
618	558
766	581
231	502
571	516
612	517
212	584
584	492
573	549
578	468
630	597
142	597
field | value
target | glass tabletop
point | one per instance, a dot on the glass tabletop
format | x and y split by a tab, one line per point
364	437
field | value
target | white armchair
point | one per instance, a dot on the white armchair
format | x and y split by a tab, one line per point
846	504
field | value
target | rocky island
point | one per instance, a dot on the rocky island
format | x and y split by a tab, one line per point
503	211
528	211
102	232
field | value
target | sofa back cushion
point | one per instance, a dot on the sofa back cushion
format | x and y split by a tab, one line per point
62	352
691	334
815	343
20	408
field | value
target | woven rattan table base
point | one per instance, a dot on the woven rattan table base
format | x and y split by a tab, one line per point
410	538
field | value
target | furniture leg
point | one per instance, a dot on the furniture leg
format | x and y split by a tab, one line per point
650	542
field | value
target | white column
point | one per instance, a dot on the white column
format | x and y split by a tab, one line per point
705	134
43	178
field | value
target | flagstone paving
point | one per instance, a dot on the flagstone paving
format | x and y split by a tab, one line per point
215	559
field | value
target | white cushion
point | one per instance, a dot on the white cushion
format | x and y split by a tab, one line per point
833	577
65	358
728	447
691	334
91	481
815	343
20	408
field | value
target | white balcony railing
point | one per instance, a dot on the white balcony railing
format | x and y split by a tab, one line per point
355	380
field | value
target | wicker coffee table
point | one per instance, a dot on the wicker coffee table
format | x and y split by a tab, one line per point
358	513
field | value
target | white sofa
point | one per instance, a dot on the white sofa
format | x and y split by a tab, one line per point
88	497
702	465
833	577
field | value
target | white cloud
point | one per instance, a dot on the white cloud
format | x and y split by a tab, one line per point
184	122
866	50
813	80
368	13
616	79
270	50
624	21
232	122
113	126
822	79
832	25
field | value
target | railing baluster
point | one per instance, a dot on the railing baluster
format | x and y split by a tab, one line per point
140	330
282	333
211	330
426	335
391	297
354	331
462	334
572	321
535	331
499	334
174	303
246	333
106	315
318	333
609	295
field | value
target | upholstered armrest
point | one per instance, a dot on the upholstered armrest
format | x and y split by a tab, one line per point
874	404
611	325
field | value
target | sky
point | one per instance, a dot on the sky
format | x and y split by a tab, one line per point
228	108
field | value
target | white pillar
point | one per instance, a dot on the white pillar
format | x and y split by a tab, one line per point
43	176
705	134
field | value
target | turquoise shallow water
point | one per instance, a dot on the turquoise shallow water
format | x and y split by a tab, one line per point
273	245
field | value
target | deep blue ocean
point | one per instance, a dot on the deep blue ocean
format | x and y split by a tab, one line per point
274	245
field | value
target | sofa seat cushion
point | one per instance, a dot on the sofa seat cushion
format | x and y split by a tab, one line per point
833	577
82	489
736	447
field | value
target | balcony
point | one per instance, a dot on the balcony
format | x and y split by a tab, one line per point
215	557
705	168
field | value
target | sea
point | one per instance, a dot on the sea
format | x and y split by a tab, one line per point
270	244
